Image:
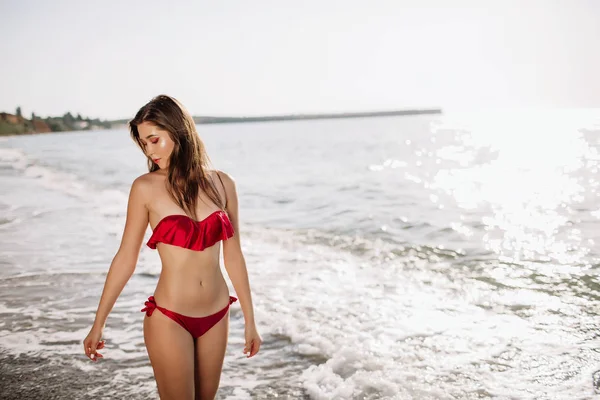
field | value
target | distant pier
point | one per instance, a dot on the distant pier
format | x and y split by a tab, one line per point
294	117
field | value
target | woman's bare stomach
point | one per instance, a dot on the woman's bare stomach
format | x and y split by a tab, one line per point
191	282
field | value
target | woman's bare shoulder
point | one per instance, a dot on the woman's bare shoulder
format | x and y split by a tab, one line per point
147	182
217	173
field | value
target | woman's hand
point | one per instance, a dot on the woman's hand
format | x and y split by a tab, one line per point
253	341
92	343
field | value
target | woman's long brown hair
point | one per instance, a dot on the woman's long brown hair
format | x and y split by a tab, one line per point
188	164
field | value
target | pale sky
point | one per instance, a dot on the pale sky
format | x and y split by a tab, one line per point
107	58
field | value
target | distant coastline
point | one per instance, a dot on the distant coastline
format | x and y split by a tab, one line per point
16	124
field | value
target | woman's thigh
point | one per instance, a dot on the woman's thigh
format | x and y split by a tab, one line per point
171	352
210	352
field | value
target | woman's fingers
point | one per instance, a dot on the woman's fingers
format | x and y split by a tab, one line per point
255	347
248	348
252	348
91	351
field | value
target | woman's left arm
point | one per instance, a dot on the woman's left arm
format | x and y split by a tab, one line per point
235	264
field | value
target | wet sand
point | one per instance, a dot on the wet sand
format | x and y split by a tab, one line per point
26	377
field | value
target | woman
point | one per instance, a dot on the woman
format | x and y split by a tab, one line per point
191	209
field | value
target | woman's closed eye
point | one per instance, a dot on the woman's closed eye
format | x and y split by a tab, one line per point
153	141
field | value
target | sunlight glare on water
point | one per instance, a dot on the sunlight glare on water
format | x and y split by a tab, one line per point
528	169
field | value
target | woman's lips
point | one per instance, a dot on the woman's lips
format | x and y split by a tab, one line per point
156	160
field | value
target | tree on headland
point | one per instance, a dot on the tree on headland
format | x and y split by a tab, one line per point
68	118
19	112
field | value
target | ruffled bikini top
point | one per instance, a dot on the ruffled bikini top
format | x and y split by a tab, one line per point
183	231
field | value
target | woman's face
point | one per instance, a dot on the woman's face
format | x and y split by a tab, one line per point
157	143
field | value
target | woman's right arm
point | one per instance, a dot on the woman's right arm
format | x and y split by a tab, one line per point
124	262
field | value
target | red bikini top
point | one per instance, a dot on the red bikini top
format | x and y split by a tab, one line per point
183	231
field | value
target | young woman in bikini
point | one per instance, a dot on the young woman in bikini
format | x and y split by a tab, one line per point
191	210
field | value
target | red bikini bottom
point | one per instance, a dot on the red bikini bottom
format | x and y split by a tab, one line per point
196	326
